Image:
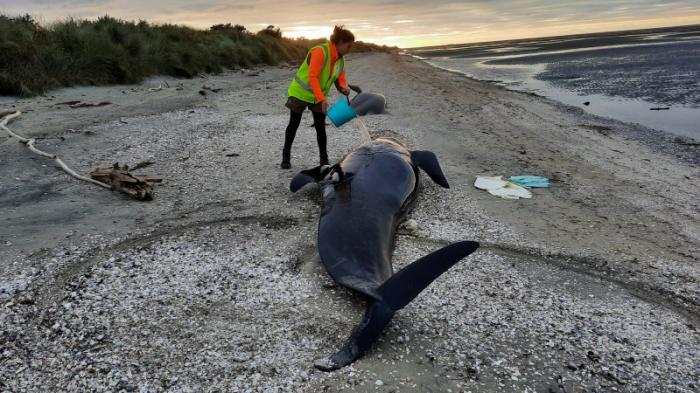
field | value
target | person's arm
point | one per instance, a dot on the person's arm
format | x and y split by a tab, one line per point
343	84
315	68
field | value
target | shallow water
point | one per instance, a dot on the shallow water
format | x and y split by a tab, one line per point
679	119
621	76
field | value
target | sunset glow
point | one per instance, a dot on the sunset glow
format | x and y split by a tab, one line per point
402	23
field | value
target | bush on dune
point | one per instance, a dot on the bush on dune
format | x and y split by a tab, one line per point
36	58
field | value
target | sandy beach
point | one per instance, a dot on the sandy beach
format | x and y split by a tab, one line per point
216	286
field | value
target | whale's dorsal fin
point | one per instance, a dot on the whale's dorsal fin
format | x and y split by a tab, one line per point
313	175
428	162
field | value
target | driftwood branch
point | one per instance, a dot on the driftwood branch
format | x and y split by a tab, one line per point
137	187
29	142
115	177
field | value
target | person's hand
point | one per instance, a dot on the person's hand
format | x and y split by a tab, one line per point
345	90
324	106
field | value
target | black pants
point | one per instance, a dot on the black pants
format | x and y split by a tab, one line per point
319	124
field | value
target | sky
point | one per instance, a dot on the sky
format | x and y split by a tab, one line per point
403	23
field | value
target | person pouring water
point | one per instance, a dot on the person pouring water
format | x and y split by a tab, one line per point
323	67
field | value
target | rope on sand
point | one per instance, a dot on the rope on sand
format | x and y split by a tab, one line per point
29	142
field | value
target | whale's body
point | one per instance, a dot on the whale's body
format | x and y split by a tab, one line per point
365	197
360	215
368	104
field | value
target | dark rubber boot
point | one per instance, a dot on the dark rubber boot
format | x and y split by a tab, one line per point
323	158
285	160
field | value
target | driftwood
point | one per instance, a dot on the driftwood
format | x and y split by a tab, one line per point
89	105
685	141
142	164
119	179
114	178
80	104
29	142
211	89
67	103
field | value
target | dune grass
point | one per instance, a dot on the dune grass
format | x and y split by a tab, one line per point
36	58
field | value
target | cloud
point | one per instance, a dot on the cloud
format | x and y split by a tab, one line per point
398	22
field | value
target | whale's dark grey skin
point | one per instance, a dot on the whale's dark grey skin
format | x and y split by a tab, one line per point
368	104
365	198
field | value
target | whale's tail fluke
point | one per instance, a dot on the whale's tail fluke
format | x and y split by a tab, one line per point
377	316
396	293
408	282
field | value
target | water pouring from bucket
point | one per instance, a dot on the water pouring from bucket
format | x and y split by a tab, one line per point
342	112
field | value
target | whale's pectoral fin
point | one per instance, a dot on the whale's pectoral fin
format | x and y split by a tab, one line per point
377	316
428	162
300	180
355	88
313	175
408	282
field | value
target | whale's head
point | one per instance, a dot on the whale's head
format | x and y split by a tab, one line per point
420	159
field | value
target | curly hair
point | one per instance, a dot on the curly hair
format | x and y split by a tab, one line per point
340	33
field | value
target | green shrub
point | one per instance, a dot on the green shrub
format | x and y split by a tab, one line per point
36	58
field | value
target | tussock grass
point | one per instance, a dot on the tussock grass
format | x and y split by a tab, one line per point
36	58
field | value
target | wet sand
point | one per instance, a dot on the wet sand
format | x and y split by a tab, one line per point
216	285
620	75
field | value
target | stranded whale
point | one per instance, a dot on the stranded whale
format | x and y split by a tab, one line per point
368	104
365	198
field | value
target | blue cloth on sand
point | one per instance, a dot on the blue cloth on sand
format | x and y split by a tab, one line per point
530	181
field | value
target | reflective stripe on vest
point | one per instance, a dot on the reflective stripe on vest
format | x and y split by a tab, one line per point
302	83
333	73
342	65
306	86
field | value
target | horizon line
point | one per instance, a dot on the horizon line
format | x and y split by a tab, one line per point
552	36
68	17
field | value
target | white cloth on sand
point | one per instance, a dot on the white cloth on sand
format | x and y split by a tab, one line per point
495	185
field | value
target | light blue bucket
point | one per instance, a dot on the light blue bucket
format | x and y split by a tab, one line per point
341	113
